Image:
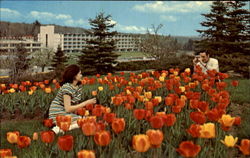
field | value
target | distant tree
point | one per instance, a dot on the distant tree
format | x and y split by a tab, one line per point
42	58
98	56
20	62
59	62
35	28
160	47
189	45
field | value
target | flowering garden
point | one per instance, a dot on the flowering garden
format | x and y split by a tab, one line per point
149	114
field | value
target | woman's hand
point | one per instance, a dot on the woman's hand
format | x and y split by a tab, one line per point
91	101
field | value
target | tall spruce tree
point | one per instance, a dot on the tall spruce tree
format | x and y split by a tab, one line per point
214	35
98	56
59	62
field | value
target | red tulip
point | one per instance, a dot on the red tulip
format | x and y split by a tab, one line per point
23	141
169	119
48	122
245	146
5	152
198	117
188	149
118	125
235	83
155	137
156	122
194	130
89	128
65	142
47	136
139	114
109	117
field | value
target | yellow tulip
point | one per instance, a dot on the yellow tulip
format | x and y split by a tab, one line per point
130	83
128	91
12	90
148	95
100	88
163	74
182	89
158	98
86	113
207	130
187	70
229	141
161	78
176	73
30	92
227	120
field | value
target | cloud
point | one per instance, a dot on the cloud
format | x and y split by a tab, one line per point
174	7
49	16
168	18
72	22
131	29
8	13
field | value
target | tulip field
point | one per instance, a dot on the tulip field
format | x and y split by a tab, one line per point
154	114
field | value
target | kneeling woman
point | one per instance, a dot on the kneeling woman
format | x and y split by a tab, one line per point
68	98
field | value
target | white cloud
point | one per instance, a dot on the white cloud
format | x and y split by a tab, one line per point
182	7
49	16
113	22
71	22
8	13
131	29
168	18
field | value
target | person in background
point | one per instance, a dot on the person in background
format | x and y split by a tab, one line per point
203	59
68	98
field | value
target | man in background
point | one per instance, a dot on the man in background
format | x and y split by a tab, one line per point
205	62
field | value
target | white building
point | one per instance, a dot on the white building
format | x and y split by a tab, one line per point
75	42
9	44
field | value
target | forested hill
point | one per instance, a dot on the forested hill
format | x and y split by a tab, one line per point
22	29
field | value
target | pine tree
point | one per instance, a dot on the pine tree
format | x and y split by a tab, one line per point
98	56
58	62
214	35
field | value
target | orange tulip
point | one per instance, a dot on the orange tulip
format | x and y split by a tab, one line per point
81	111
62	118
94	93
5	152
12	137
234	83
47	136
215	114
86	154
89	128
46	81
188	149
139	114
102	138
65	142
118	125
237	121
245	146
149	105
156	122
169	101
198	117
194	130
64	126
155	137
176	109
23	141
207	130
109	117
48	122
141	142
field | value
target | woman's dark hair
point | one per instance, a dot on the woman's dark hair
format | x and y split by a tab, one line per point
69	74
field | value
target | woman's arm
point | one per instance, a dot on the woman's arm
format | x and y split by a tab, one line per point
71	108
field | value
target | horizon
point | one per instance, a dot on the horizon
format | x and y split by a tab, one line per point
179	18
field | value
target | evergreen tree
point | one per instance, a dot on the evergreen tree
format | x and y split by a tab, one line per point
214	36
58	62
98	56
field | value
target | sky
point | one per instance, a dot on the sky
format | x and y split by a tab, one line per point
179	18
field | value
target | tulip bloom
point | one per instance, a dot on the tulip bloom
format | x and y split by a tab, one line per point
207	130
65	142
48	90
47	136
94	93
23	141
155	137
226	122
12	137
245	146
109	117
169	119
194	130
5	152
235	83
86	154
139	114
229	141
237	121
141	142
198	117
64	126
118	125
48	122
100	88
35	136
169	101
156	122
188	149
81	111
102	138
89	128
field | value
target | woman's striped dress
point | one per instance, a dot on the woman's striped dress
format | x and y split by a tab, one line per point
57	105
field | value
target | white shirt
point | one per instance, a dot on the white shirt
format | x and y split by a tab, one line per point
210	65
